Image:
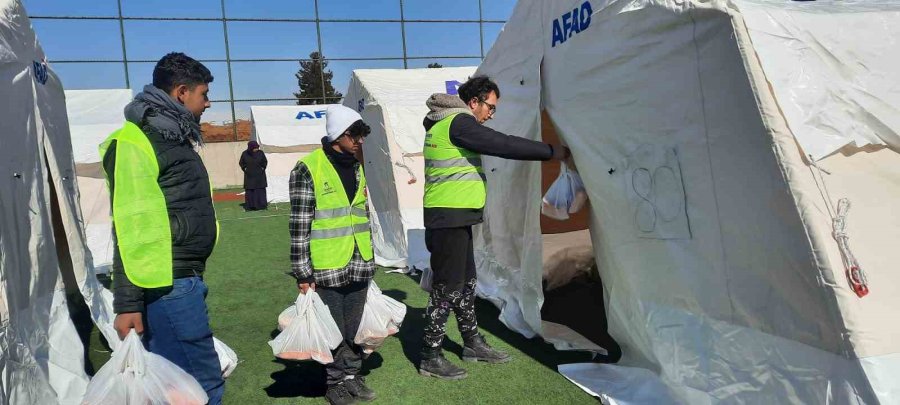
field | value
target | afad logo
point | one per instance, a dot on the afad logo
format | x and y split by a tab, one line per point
452	87
41	73
573	22
306	114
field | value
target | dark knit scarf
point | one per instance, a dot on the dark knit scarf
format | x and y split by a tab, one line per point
167	116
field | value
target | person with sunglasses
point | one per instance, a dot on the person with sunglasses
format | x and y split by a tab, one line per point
331	242
455	193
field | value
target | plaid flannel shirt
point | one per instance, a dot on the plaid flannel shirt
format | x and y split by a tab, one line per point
303	207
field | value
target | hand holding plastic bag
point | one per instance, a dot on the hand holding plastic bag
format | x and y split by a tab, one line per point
382	317
310	334
134	376
565	196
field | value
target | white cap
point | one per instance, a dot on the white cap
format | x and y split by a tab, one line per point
337	119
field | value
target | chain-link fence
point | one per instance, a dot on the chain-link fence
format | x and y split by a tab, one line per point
250	38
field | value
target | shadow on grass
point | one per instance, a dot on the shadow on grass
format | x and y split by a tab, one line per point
297	379
489	320
307	378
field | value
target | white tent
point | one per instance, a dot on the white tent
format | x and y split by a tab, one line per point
691	123
93	115
41	238
286	134
392	102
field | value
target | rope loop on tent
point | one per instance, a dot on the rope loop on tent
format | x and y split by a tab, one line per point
856	276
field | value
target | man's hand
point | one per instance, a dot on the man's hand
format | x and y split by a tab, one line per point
560	152
304	287
124	323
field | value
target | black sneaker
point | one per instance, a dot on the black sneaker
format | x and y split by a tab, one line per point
434	364
477	349
356	386
338	395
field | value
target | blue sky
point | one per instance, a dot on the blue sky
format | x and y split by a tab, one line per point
149	40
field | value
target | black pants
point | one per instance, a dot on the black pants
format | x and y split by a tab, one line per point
346	306
453	285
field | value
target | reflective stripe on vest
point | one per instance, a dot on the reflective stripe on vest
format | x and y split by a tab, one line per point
453	176
338	225
140	215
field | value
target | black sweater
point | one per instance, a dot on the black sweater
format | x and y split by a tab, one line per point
466	132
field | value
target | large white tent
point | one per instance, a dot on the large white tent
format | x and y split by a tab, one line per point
41	237
392	102
286	134
93	115
714	139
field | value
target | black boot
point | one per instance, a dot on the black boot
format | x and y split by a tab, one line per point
434	364
337	394
356	386
476	349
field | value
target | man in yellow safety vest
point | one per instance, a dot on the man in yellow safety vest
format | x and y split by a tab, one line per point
455	194
164	222
331	243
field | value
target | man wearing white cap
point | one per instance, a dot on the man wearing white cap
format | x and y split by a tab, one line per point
331	244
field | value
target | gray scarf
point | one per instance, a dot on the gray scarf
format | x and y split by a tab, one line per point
167	116
441	106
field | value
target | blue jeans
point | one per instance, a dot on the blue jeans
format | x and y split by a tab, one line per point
177	328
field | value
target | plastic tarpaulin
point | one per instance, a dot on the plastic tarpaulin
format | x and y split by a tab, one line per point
392	102
40	361
710	229
833	91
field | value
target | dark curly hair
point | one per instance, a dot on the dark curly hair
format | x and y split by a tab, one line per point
358	129
176	69
478	87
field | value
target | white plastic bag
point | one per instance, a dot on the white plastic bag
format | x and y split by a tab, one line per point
426	278
565	196
228	359
286	316
312	333
382	317
134	376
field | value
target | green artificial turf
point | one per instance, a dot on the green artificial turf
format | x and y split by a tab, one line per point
249	287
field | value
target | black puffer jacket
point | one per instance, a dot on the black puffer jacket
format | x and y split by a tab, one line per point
185	184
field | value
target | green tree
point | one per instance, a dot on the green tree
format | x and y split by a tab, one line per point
435	65
311	78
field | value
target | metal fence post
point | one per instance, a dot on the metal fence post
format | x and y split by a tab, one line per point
230	80
124	51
